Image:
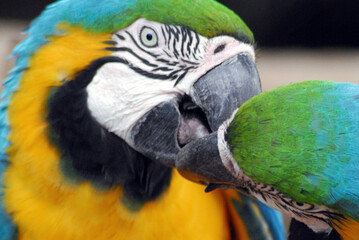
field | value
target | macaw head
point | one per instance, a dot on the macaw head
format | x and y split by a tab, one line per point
125	84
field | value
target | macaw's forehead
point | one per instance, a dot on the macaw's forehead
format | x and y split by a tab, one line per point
208	17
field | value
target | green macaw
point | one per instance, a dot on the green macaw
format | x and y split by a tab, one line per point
103	96
294	148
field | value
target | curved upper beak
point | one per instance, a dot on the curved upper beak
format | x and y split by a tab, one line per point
223	89
218	94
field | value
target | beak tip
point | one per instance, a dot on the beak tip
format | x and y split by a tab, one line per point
200	161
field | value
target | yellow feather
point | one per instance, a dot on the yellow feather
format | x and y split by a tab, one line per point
45	206
348	229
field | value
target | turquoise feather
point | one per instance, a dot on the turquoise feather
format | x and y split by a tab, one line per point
252	219
274	220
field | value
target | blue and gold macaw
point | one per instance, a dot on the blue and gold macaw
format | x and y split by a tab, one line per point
103	96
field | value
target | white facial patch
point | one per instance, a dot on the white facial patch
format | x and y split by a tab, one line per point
159	63
225	153
314	223
118	98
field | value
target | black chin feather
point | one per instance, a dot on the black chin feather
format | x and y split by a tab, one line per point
91	153
300	231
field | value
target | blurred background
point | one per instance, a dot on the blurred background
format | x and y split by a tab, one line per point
302	40
296	40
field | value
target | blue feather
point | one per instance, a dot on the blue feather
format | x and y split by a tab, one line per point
254	224
274	220
7	228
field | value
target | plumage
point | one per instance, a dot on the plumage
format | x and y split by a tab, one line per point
301	140
308	132
65	173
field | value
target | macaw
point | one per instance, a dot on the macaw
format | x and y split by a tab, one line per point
103	96
294	148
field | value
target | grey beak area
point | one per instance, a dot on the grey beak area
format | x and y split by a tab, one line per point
217	94
155	135
223	89
199	161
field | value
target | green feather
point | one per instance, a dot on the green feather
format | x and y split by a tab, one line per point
208	17
303	139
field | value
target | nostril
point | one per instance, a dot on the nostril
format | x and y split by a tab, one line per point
220	48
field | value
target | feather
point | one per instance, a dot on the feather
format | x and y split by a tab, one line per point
302	139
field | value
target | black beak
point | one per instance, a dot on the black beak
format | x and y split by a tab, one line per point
222	90
217	94
200	161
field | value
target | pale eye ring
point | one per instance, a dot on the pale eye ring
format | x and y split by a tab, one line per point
149	37
302	206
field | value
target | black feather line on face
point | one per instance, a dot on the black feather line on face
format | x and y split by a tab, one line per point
91	153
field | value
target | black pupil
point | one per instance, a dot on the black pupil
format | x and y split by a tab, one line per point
149	36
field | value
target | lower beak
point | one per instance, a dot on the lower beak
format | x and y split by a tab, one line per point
200	161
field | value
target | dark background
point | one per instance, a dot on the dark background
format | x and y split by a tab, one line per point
275	23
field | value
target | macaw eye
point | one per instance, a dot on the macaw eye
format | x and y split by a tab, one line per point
302	206
149	37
